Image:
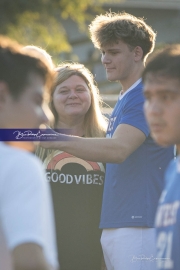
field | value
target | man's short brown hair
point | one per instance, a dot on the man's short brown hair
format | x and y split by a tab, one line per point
111	27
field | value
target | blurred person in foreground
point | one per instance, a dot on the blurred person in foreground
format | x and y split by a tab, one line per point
26	213
39	52
77	184
135	164
162	108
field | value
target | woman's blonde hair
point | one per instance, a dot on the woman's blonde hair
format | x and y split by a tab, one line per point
95	123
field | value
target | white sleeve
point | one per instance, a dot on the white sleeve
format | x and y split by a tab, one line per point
22	199
22	202
26	211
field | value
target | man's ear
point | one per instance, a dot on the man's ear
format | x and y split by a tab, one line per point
138	53
4	92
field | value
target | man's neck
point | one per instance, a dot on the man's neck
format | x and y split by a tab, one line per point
128	82
131	87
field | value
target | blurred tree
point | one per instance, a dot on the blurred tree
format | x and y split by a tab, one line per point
38	21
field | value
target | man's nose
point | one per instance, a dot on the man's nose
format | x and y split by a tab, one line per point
105	59
47	115
44	118
154	107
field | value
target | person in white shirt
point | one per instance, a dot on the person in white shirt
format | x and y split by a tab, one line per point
26	214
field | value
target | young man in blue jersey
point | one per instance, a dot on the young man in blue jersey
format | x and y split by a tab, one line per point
135	164
162	107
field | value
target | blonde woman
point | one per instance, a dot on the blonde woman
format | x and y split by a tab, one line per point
77	184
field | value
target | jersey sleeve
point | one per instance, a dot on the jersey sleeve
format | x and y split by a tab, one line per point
23	202
133	114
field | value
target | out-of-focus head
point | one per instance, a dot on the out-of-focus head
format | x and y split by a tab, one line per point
22	82
39	53
74	85
161	79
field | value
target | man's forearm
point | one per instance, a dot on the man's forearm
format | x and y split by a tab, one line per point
124	142
94	149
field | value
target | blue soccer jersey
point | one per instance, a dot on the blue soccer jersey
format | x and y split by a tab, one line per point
168	220
132	188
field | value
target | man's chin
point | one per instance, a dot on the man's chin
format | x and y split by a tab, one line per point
161	141
112	79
